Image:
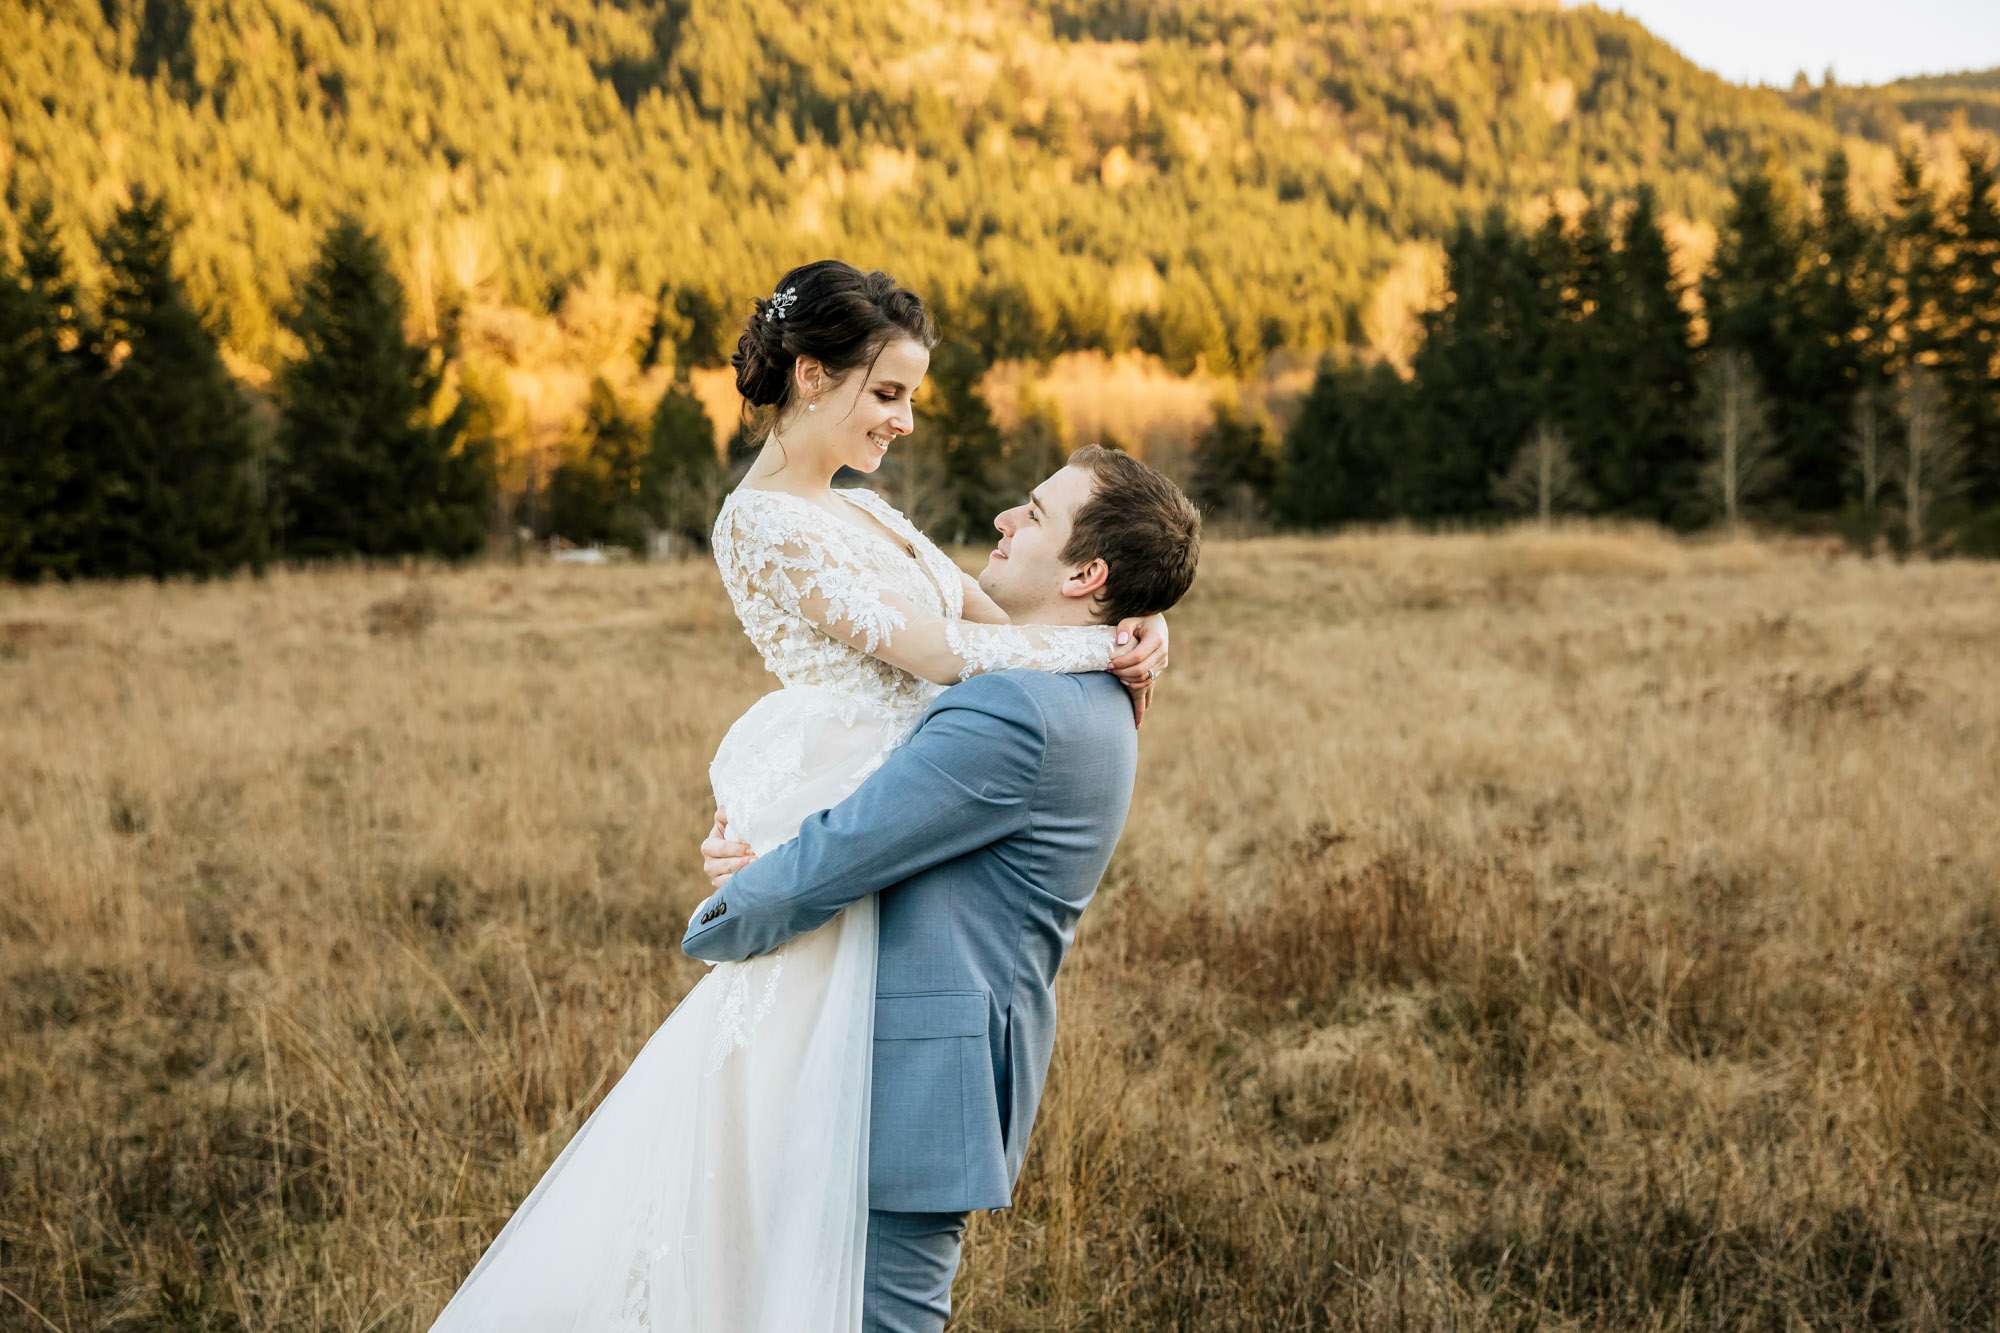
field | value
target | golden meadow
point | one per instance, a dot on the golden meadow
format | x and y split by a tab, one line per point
1570	929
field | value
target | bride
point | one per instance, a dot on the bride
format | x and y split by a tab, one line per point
722	1184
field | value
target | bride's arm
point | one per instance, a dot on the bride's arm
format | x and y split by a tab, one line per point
1135	666
853	606
948	651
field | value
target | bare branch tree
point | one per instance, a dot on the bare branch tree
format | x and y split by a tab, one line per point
1865	441
1735	421
1932	474
688	504
913	479
1543	476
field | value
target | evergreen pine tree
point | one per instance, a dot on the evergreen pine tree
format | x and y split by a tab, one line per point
1830	352
1587	385
42	381
1186	331
575	504
365	469
1235	468
595	495
171	430
1034	446
1334	466
956	428
1971	351
682	482
1749	296
1915	268
1649	335
1482	370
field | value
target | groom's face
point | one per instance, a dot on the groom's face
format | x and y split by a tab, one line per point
1026	569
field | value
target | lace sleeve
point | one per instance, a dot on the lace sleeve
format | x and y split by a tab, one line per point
773	560
1064	648
781	562
858	610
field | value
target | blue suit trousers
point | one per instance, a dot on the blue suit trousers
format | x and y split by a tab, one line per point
912	1258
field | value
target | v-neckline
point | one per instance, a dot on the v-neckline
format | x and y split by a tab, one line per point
925	563
874	526
882	529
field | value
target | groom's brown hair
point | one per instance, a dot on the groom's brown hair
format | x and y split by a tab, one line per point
1147	533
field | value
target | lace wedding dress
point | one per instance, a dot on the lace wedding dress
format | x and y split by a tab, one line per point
722	1185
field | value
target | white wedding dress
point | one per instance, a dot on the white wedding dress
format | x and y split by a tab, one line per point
722	1185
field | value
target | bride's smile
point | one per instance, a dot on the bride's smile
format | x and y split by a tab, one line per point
852	420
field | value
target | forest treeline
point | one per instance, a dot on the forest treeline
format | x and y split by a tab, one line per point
272	270
1833	367
1969	99
1836	365
127	448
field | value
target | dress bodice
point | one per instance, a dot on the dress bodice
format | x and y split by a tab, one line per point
771	546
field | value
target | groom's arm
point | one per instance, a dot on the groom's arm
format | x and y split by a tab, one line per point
960	783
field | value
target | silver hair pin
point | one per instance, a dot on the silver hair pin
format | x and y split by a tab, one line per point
780	303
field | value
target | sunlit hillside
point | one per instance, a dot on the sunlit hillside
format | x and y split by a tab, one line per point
1936	101
1203	181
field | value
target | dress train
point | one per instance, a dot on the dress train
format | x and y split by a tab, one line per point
721	1186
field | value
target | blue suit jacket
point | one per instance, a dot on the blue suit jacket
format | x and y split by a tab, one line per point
985	834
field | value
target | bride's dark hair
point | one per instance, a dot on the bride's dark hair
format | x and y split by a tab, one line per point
832	312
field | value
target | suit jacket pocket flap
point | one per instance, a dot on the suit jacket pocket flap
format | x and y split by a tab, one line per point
949	1013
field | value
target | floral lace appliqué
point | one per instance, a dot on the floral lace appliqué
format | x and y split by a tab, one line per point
773	548
1044	648
737	1022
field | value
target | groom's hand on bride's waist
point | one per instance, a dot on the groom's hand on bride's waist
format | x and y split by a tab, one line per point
721	857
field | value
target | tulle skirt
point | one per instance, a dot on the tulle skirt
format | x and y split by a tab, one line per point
722	1185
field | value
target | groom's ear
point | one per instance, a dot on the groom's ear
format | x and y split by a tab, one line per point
1086	580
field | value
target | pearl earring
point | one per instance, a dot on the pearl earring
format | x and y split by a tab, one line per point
812	407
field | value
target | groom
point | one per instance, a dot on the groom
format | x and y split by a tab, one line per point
986	834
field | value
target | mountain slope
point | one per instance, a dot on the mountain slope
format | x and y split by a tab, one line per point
1935	100
1205	181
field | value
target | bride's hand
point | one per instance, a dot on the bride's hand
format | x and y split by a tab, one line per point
721	858
1139	665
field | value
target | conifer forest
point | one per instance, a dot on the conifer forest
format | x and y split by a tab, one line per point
297	279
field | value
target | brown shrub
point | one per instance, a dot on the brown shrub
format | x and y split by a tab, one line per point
406	615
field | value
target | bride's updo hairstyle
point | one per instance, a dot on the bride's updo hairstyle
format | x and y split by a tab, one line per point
832	312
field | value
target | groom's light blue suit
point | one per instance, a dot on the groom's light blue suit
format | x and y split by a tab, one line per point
986	834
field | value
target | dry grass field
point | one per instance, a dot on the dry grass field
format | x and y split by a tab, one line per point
1538	930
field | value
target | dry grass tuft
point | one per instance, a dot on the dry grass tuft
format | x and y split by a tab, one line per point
1870	692
1572	929
407	614
18	637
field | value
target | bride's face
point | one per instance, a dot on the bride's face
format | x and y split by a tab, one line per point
860	415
